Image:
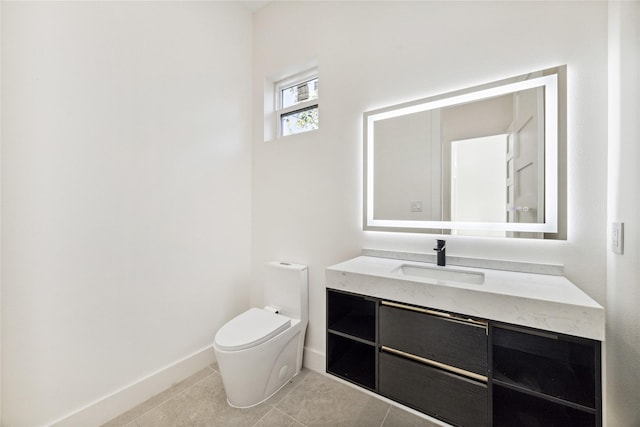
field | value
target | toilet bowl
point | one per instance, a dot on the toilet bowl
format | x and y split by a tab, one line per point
260	350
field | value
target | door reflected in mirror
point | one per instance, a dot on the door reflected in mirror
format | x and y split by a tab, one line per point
479	194
481	161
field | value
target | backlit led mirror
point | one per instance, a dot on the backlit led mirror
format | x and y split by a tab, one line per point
480	161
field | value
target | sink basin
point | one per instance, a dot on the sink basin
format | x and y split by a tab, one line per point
442	274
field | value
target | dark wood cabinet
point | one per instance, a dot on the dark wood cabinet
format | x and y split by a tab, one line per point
435	336
352	315
545	379
450	397
466	372
434	362
351	338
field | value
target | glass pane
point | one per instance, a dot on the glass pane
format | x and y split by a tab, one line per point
300	92
299	121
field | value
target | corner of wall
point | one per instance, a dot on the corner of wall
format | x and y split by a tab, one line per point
621	365
1	213
314	360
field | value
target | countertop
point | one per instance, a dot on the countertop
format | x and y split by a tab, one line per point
543	301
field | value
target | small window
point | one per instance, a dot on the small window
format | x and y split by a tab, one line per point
297	104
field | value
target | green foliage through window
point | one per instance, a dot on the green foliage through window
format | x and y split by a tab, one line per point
300	121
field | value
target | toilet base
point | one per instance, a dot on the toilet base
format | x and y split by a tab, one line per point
253	375
266	398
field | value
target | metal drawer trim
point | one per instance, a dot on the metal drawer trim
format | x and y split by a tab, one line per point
435	364
473	322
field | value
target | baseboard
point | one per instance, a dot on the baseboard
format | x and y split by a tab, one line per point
120	401
314	360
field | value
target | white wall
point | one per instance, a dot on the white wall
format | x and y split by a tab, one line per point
126	164
623	271
0	212
405	140
308	188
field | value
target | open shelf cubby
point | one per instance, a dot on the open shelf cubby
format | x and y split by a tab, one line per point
561	367
352	315
352	360
512	408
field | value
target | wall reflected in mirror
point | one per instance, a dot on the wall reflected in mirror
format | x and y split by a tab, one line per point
481	161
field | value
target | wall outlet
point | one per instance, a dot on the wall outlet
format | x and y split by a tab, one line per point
617	237
416	206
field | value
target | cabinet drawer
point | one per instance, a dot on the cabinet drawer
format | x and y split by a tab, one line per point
454	399
452	342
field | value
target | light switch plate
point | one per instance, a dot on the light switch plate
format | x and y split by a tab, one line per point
617	237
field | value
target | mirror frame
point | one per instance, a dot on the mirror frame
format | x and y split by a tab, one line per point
549	81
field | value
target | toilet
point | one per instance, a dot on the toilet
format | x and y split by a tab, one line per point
260	350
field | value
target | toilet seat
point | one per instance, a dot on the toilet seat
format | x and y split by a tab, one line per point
249	329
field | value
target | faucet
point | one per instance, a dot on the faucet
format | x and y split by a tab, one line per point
440	249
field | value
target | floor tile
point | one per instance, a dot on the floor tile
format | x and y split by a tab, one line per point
168	414
322	401
129	416
204	404
288	387
310	399
373	413
398	417
277	418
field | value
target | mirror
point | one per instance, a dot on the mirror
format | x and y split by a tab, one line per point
481	161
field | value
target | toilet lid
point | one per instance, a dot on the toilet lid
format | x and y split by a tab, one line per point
250	328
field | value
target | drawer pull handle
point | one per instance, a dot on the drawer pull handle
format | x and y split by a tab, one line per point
435	364
435	313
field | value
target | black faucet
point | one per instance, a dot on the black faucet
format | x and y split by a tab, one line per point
440	249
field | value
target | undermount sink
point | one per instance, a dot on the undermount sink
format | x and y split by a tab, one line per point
442	274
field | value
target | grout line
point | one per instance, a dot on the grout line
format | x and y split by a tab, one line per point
262	417
385	416
294	387
273	408
289	416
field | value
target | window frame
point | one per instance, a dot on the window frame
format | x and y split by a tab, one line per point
287	83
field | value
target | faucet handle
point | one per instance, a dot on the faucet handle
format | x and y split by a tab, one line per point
440	245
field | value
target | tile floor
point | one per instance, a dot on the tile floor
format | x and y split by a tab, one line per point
310	399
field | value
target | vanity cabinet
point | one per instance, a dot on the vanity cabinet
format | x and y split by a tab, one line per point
466	372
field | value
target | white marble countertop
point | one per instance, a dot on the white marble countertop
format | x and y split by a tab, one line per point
548	302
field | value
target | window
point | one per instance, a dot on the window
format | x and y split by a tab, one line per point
297	103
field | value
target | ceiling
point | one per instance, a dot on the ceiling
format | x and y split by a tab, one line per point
254	6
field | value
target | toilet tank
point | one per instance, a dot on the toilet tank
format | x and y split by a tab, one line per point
286	288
